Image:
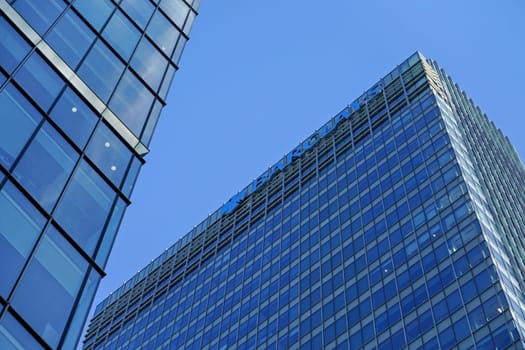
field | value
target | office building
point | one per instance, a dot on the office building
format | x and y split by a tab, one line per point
82	83
397	224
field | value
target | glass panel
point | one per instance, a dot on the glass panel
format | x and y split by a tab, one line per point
109	154
101	70
19	119
12	46
74	117
133	173
95	11
85	207
121	35
149	64
13	336
131	102
40	81
139	10
84	304
166	83
70	38
39	14
59	268
178	49
20	225
45	166
111	232
176	10
163	33
152	123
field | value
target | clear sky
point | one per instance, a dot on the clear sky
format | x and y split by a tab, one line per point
257	77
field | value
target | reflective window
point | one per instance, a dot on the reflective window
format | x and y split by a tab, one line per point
101	70
12	46
41	82
166	83
139	10
74	117
85	207
70	38
121	35
13	336
95	11
176	10
110	233
178	50
46	166
163	33
109	154
39	14
75	328
152	122
131	102
133	173
20	225
18	119
149	64
59	268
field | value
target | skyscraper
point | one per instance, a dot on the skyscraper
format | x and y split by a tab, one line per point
396	224
82	83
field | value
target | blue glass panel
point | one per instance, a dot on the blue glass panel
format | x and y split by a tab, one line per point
95	11
39	14
18	119
61	269
83	306
13	336
131	102
101	70
139	10
70	38
166	82
20	226
74	117
41	82
45	166
176	10
163	33
111	232
85	207
149	64
12	46
121	35
109	153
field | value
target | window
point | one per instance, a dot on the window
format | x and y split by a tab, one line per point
61	269
163	33
101	70
149	64
39	14
131	102
70	38
74	117
40	81
109	154
13	336
85	207
12	46
95	11
139	10
45	166
121	35
19	119
176	10
20	226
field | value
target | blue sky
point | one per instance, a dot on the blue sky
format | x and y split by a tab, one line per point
257	77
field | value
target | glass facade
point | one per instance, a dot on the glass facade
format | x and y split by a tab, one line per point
82	83
385	229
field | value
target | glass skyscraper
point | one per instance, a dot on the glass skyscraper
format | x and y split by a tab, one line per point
82	83
398	224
